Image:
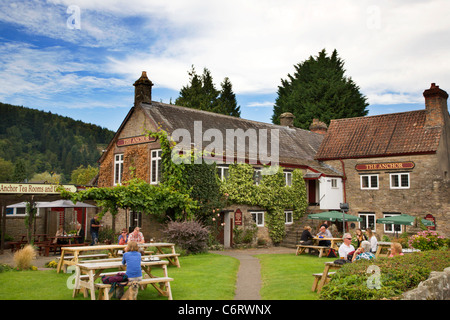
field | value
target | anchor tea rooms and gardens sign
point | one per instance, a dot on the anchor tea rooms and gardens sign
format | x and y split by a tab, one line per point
34	188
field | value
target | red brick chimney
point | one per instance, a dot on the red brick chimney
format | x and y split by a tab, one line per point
287	119
435	106
142	89
318	126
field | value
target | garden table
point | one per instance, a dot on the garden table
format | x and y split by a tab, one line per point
113	252
94	270
328	266
383	246
332	240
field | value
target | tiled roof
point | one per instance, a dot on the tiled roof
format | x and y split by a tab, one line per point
376	136
296	146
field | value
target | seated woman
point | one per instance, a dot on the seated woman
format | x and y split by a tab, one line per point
132	259
306	237
123	238
363	252
396	250
60	233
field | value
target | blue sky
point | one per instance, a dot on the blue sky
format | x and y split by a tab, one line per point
80	58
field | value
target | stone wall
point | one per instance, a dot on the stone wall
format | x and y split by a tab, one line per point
436	287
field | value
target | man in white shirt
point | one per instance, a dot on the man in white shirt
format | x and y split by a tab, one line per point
346	247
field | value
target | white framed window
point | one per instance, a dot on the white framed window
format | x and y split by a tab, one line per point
334	184
21	211
392	228
118	168
156	166
257	176
258	218
399	180
368	220
288	178
135	220
369	181
288	217
223	172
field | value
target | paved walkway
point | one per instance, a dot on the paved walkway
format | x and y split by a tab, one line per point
248	283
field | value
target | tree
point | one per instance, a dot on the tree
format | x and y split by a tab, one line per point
202	94
20	173
82	175
319	89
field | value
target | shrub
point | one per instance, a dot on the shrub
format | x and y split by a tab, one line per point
24	257
5	267
427	240
397	275
189	235
51	264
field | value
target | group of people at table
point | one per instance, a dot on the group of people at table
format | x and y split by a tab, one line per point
366	244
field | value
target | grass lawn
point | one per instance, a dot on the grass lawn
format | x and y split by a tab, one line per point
289	277
201	277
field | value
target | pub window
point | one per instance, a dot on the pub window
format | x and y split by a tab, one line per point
257	176
118	168
368	220
156	166
399	180
135	220
369	181
391	228
334	183
288	217
288	178
223	173
258	218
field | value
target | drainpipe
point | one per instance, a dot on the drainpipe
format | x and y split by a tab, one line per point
343	180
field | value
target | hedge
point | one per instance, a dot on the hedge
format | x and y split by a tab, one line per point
397	275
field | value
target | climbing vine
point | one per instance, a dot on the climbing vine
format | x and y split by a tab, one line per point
271	194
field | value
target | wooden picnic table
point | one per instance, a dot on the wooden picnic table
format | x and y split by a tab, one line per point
113	252
302	247
38	239
332	240
94	270
381	247
330	265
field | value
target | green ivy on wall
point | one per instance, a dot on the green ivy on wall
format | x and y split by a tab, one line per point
271	194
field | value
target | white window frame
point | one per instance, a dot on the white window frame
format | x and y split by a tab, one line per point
399	176
390	228
19	212
257	176
223	172
369	177
118	164
288	178
258	218
288	217
334	183
366	219
155	164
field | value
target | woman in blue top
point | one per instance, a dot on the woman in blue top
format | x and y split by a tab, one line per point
132	259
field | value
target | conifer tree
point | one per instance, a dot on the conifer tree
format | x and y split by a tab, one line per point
319	89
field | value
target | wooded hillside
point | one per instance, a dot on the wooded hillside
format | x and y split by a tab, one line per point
48	142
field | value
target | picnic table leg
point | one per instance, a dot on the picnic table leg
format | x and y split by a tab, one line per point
61	261
91	284
76	288
324	278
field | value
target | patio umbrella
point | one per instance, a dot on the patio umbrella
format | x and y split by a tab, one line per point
333	216
67	204
404	219
24	205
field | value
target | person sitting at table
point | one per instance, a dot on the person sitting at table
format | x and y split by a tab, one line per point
324	233
80	233
363	252
396	250
136	235
306	237
372	239
123	238
60	233
346	247
132	259
360	237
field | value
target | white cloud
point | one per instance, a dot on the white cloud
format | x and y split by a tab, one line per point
266	104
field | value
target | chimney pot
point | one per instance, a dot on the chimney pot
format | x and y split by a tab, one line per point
318	126
287	119
435	106
142	89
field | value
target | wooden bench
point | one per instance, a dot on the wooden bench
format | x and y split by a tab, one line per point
164	289
318	277
169	257
301	248
86	256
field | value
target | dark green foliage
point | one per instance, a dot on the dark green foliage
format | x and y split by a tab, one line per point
397	275
201	94
319	89
48	142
